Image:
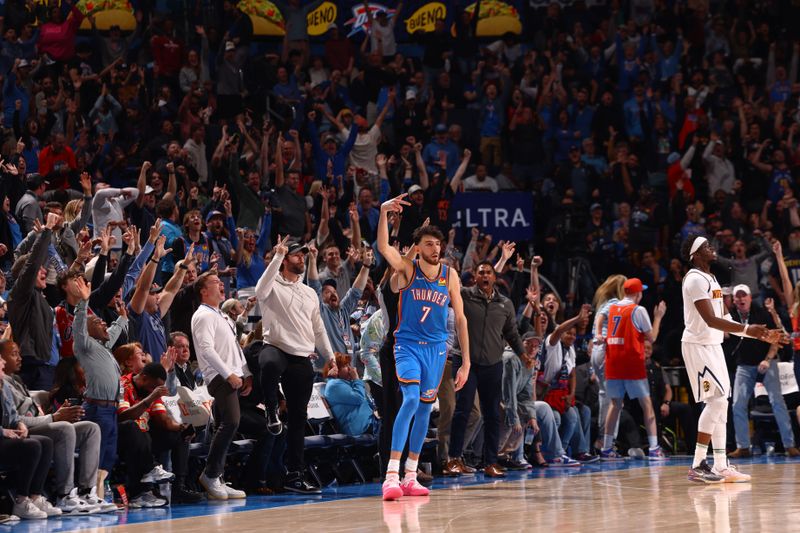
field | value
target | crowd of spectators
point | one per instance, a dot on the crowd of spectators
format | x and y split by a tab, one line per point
135	164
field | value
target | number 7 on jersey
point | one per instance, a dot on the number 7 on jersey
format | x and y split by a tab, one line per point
426	309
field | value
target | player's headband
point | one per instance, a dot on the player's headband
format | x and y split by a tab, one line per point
698	242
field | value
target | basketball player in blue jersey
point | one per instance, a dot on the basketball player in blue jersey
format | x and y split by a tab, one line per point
426	288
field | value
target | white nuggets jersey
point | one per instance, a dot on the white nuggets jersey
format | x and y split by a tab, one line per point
702	345
698	285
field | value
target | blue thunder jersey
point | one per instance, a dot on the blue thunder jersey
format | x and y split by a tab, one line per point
422	313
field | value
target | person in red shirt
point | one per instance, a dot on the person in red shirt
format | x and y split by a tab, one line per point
628	327
167	52
679	177
140	401
56	162
339	50
57	36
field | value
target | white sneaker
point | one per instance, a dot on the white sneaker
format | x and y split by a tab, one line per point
71	504
26	510
147	499
101	506
137	502
154	501
44	505
636	453
8	518
233	494
157	475
214	487
730	474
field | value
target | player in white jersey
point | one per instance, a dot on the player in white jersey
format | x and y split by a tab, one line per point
706	322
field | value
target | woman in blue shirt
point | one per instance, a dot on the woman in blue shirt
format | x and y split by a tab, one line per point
347	397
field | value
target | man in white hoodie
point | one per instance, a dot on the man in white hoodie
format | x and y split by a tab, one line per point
293	329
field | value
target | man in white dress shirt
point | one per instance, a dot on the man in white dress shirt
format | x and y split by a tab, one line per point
293	329
225	371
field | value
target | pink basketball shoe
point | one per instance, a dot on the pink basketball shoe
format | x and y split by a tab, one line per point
412	487
392	490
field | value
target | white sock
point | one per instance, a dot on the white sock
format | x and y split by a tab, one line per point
700	453
720	460
393	470
608	442
718	439
652	441
411	466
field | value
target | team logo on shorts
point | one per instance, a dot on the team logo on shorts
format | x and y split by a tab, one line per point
428	394
706	385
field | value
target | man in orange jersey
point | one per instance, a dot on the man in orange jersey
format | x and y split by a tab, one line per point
628	327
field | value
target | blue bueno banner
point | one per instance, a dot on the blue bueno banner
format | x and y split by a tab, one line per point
495	17
505	215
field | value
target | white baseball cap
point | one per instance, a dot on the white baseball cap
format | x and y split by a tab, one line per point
741	288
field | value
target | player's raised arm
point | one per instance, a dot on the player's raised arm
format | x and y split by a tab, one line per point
391	254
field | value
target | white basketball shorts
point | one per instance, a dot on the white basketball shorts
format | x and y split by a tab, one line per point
708	372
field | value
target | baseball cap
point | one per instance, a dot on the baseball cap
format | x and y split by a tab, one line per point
414	188
328	138
634	285
149	190
531	336
441	128
214	213
411	94
331	282
229	45
741	287
35	180
595	206
296	247
23	63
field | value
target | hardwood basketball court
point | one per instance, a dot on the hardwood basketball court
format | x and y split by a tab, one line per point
626	498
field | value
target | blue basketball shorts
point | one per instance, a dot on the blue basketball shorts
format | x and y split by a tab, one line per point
421	363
